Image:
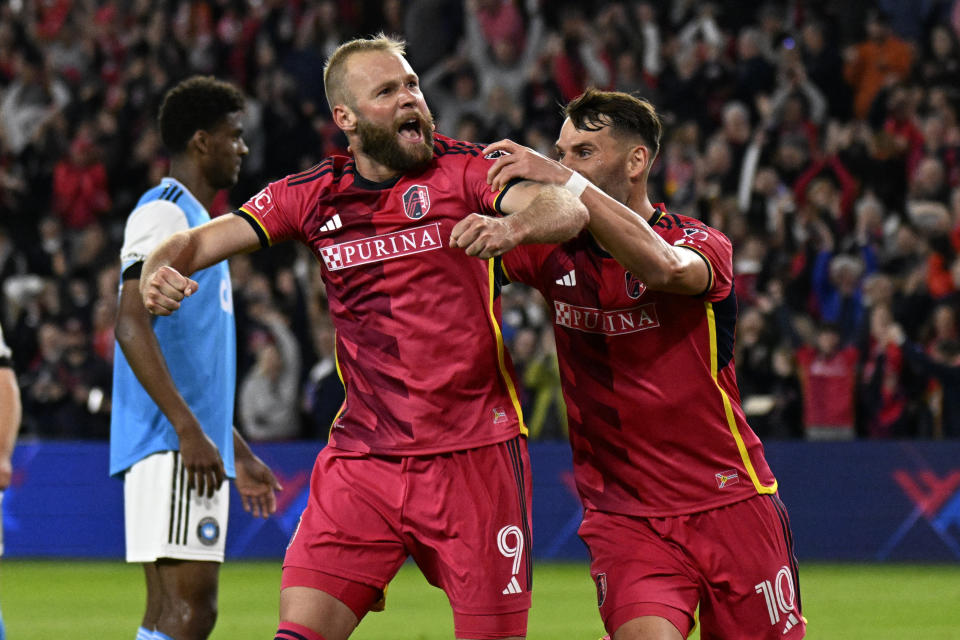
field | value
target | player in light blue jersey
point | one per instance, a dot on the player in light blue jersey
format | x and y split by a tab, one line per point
10	413
171	433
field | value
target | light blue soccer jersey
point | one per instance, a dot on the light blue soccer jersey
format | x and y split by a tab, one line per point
198	341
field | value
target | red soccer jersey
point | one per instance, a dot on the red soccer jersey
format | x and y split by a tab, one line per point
648	377
419	347
829	384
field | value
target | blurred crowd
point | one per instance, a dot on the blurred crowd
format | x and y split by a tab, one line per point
822	137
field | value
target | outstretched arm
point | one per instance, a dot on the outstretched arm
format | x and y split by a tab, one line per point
622	231
538	213
165	280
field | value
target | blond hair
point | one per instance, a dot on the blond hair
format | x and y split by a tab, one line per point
334	72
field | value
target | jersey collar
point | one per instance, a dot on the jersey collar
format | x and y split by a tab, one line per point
659	210
362	183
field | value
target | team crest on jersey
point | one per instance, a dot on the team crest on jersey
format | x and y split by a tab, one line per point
727	478
694	235
208	531
601	589
635	288
416	202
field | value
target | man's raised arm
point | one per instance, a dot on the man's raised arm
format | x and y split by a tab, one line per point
165	280
623	232
538	213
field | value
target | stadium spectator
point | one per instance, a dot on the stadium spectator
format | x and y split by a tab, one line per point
876	62
828	372
578	60
174	380
882	403
940	67
10	414
823	64
454	83
80	190
502	63
323	391
941	363
653	287
269	405
428	401
31	101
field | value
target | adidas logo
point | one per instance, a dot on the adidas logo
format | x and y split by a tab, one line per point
569	280
791	622
512	587
332	224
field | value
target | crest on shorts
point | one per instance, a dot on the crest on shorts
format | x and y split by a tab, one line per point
208	531
416	202
601	589
635	288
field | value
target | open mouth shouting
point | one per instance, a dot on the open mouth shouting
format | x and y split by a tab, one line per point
411	129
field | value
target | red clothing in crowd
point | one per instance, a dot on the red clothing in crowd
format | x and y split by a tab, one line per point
828	384
80	192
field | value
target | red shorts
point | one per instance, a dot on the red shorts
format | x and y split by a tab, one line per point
463	516
736	562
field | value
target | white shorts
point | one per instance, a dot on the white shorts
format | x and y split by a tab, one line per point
164	518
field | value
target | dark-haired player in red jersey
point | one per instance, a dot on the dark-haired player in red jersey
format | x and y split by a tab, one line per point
427	457
680	507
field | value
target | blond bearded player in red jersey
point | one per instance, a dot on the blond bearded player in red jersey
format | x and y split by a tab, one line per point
680	507
427	457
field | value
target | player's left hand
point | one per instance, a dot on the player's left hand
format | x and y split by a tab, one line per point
257	486
519	161
484	237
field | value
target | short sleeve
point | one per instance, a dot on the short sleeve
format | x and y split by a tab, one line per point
148	226
5	352
275	210
715	249
526	263
475	178
518	265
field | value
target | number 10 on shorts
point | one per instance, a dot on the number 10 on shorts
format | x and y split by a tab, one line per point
780	596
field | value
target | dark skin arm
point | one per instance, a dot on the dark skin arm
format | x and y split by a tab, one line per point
255	482
10	414
134	332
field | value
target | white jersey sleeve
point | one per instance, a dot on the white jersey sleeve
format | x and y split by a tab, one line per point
4	349
148	226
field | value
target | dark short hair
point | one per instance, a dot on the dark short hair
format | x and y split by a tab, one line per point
622	112
199	103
